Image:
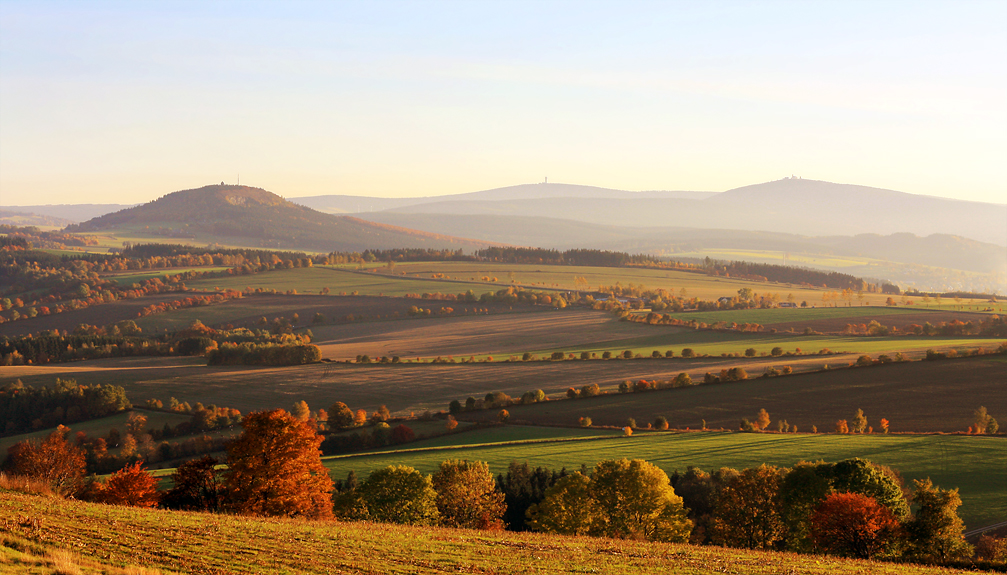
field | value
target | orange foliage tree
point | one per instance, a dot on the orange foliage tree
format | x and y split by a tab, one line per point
853	524
54	461
133	486
276	468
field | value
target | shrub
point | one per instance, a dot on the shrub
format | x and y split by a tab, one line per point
661	423
132	486
776	351
606	355
864	361
585	421
687	352
750	352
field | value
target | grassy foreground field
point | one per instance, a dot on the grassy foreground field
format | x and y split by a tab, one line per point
109	539
975	465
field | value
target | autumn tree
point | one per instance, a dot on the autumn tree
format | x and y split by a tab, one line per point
197	486
132	486
935	532
859	423
762	420
568	509
638	501
854	525
341	416
467	495
53	460
275	468
981	419
399	494
300	411
749	513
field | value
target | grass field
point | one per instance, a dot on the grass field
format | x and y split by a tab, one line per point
129	278
975	465
829	318
107	539
338	280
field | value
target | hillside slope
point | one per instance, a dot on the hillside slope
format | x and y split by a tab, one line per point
33	527
243	215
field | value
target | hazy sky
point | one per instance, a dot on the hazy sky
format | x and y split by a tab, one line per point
123	102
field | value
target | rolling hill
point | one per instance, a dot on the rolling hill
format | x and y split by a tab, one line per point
241	215
73	213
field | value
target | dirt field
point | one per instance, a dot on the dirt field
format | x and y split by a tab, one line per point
916	396
461	337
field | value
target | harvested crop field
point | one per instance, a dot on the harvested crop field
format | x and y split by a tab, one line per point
403	387
915	396
498	335
918	396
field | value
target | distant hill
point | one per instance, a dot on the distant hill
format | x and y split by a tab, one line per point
241	215
19	218
349	204
73	213
796	206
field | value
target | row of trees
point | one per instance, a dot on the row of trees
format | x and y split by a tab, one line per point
24	408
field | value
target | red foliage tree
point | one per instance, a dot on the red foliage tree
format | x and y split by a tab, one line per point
133	486
276	468
402	434
54	460
853	524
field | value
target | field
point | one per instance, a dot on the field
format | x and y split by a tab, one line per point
975	465
99	427
247	311
916	396
131	277
831	319
109	539
100	315
339	280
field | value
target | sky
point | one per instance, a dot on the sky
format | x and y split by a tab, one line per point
123	102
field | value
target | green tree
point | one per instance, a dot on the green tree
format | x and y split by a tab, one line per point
467	495
400	494
935	532
749	511
803	488
639	501
877	481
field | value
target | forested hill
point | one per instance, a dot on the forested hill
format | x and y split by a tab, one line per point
241	215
